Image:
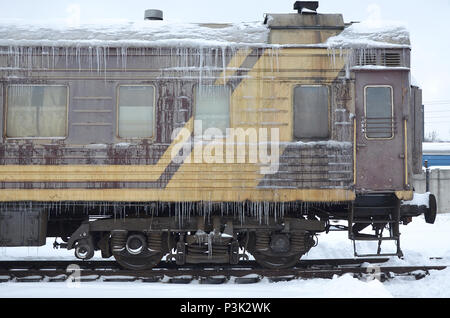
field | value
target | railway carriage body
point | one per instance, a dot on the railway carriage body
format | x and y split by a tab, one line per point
199	148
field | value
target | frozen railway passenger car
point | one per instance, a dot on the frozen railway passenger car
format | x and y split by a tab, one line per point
204	142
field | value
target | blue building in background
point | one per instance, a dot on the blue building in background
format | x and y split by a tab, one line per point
437	154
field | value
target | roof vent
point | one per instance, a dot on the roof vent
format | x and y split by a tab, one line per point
153	14
310	5
391	59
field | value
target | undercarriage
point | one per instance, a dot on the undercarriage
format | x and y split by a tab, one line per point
141	243
140	235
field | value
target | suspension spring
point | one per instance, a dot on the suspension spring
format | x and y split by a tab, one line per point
154	241
262	240
118	240
298	242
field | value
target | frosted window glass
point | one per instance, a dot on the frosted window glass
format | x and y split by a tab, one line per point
311	113
212	107
36	111
136	111
379	112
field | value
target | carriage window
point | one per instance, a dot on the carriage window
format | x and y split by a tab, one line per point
379	112
212	106
311	112
36	111
136	111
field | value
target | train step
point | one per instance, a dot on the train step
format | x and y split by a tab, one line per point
373	238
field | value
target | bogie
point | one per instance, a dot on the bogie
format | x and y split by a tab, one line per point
140	244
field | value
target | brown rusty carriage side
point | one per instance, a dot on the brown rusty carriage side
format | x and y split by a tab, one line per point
262	94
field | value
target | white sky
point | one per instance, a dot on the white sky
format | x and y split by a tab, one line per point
428	22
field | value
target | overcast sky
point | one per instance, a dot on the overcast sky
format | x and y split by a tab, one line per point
428	22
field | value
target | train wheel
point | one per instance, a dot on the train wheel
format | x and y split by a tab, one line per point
277	251
133	251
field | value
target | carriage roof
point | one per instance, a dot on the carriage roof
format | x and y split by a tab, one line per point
167	34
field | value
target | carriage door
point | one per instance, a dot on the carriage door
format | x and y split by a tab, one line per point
380	161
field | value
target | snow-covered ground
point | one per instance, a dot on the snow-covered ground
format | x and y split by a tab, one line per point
420	243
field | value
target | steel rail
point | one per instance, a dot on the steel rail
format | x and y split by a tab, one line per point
110	264
246	272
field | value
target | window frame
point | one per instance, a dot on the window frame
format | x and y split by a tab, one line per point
6	103
392	111
153	137
294	138
194	106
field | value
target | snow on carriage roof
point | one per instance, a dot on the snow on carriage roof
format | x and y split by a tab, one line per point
138	34
372	34
165	33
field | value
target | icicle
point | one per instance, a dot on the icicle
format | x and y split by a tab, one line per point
200	67
124	53
224	66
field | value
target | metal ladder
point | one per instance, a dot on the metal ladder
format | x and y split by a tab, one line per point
390	222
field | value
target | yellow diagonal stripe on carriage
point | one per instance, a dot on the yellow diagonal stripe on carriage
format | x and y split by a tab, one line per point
257	92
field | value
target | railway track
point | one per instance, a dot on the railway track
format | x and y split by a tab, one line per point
244	273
